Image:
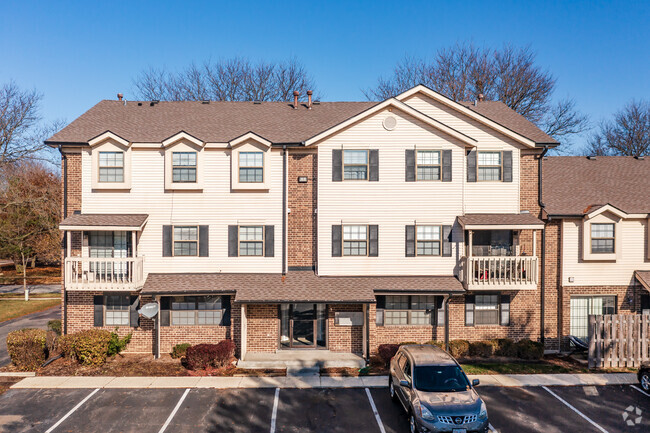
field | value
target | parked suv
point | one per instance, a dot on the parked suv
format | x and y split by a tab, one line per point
435	391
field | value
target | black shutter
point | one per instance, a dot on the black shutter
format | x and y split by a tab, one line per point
373	241
446	165
336	241
381	305
134	317
440	310
469	310
204	242
507	166
471	166
233	240
167	241
225	305
410	165
269	241
505	310
373	166
446	241
98	301
337	165
645	303
410	241
164	310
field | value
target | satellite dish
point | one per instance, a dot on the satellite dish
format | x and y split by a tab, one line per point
149	310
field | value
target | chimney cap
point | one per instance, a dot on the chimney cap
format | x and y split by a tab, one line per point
309	92
296	93
481	97
120	96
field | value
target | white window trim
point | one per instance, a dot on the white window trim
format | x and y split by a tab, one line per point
239	241
429	165
367	164
184	145
478	166
110	145
198	237
367	226
603	218
250	144
439	240
196	313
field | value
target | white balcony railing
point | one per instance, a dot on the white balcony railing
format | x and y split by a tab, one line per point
500	272
83	273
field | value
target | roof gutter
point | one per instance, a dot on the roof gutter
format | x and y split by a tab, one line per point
542	281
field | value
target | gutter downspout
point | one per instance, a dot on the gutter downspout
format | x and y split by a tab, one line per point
543	258
284	209
445	306
64	158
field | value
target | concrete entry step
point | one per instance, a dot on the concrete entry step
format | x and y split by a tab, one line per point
297	360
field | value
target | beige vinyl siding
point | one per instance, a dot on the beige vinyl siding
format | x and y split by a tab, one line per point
391	203
215	206
604	273
480	197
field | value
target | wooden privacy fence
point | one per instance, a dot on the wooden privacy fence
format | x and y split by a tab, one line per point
619	340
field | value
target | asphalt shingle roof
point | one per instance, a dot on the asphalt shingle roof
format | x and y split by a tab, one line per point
490	219
108	220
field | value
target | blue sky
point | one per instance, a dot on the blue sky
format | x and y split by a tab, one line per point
77	53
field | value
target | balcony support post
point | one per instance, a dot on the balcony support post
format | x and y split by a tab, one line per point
471	243
133	243
68	243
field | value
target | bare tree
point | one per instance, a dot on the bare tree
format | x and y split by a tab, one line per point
235	79
628	133
464	71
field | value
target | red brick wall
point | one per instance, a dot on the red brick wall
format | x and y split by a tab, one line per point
263	326
552	288
344	338
173	335
529	182
301	232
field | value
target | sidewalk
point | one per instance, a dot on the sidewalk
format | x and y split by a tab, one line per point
511	380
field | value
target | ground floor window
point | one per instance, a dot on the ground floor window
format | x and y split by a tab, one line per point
117	310
487	309
197	310
406	309
303	325
583	306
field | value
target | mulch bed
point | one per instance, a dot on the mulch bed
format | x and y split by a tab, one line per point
6	382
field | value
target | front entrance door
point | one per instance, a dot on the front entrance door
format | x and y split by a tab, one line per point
302	325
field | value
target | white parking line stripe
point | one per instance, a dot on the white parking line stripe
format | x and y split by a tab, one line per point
575	410
640	390
275	409
51	429
374	410
171	415
492	429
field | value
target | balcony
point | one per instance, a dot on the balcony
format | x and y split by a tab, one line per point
90	274
500	273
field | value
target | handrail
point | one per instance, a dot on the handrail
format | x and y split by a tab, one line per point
90	273
500	270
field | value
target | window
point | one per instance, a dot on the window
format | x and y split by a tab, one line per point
196	310
251	167
409	310
186	241
489	166
428	165
355	165
583	306
602	238
428	240
117	310
487	310
251	240
111	167
106	245
355	240
184	167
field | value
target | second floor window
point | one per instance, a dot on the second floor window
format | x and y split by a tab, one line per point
111	167
428	165
489	166
186	241
602	238
355	240
251	167
428	240
184	167
251	240
355	165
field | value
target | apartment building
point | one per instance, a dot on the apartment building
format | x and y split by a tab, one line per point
321	225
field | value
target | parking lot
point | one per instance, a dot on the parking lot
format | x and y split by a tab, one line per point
529	409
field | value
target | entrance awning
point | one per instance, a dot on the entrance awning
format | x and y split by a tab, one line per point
644	278
495	221
111	222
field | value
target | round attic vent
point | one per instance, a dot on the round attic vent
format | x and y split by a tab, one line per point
390	122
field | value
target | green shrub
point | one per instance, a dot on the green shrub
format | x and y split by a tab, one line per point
117	344
527	349
179	350
54	325
65	345
27	348
458	348
405	343
440	344
506	347
50	342
90	347
482	349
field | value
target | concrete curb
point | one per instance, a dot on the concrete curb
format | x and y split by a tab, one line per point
511	380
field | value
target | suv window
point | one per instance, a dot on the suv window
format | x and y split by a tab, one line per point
448	378
407	369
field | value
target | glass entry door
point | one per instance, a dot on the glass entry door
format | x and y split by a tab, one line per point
302	325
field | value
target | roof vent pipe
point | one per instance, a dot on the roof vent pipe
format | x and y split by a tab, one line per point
295	99
481	97
120	96
309	93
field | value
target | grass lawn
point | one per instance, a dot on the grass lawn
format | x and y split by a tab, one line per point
520	368
21	295
10	309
